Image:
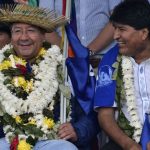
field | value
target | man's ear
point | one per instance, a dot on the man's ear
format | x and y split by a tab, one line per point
145	33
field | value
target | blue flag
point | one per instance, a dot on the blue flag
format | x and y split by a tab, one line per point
81	75
145	136
106	87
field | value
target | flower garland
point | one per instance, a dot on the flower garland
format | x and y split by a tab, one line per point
31	118
128	81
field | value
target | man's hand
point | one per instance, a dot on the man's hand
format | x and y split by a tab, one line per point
133	146
67	132
148	146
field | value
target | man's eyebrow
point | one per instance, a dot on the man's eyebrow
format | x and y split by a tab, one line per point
15	27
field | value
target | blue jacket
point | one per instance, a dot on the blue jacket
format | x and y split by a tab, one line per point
86	126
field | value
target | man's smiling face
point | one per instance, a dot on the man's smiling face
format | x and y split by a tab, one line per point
27	40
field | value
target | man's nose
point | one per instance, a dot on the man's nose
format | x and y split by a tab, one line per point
24	35
116	34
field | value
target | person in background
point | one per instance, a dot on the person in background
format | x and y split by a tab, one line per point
122	96
28	2
89	26
53	5
93	27
5	34
92	24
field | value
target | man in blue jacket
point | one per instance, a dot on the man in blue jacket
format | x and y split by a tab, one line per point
82	129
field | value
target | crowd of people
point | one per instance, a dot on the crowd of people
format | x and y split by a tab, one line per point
115	31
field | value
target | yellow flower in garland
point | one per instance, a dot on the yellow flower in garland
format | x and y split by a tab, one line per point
23	145
18	119
5	65
42	52
21	82
19	61
48	122
29	86
32	121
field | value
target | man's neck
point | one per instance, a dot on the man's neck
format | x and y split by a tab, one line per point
31	61
144	55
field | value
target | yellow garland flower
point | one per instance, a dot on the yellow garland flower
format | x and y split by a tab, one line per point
19	61
21	82
42	52
32	121
5	65
29	86
48	122
23	145
18	119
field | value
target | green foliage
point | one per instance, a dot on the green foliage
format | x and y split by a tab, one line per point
47	113
11	72
32	129
125	125
25	117
46	45
18	91
8	81
31	141
7	119
8	52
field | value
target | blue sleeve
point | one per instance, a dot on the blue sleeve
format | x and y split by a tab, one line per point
86	126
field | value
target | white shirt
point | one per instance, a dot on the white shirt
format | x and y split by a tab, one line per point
92	16
52	5
142	89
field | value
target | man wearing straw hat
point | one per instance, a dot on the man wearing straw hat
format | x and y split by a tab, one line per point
29	81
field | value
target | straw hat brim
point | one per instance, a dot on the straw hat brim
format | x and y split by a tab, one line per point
40	17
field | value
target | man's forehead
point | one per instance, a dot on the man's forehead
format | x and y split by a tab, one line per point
120	25
23	25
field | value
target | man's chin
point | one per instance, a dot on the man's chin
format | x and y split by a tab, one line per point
123	51
25	56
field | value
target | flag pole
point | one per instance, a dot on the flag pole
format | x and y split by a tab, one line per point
65	55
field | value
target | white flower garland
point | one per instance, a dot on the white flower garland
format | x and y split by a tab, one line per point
128	80
43	91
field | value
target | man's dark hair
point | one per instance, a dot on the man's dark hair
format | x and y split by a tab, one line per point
5	27
135	13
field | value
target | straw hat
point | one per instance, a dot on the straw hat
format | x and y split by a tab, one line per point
40	17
